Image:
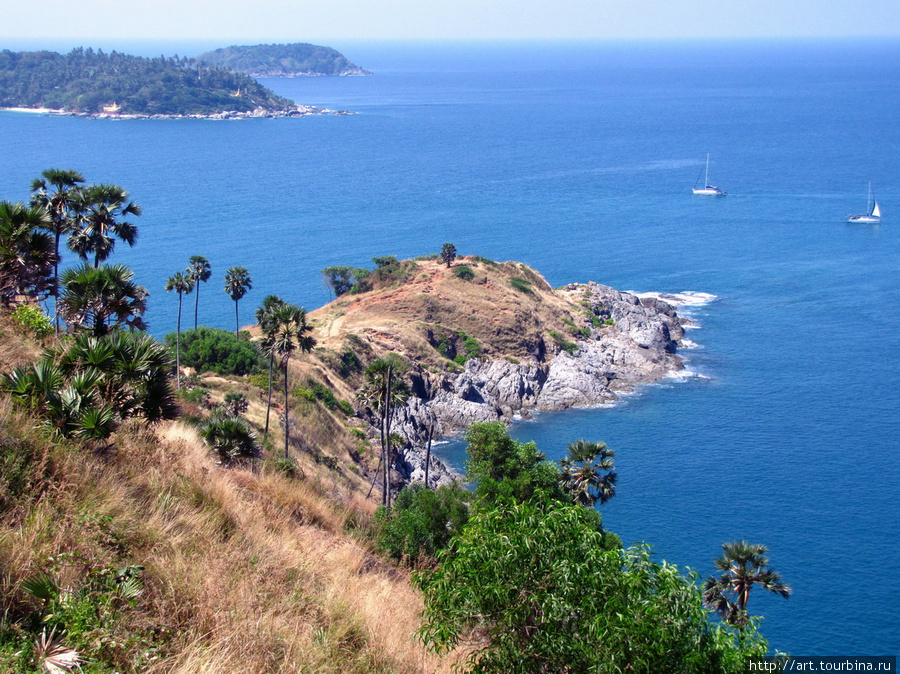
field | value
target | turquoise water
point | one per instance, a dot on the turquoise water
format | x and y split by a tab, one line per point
578	160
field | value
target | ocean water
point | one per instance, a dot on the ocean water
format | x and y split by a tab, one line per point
578	159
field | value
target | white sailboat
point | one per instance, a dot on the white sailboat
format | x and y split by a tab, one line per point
873	211
707	189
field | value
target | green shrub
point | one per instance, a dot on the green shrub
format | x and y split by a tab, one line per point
33	321
609	322
464	273
422	521
305	394
325	394
346	408
350	363
230	437
521	284
484	260
214	350
562	343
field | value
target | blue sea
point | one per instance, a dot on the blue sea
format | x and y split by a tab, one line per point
578	159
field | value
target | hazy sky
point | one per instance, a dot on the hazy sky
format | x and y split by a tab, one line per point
231	21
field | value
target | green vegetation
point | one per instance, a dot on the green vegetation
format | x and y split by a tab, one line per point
181	284
563	343
216	350
521	285
448	254
237	283
230	438
198	272
464	272
281	60
33	321
27	258
88	81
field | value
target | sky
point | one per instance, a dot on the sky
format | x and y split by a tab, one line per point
109	22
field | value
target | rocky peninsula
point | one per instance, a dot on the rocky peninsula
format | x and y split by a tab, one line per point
497	342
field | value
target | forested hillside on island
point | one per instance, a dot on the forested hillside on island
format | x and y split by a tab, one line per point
89	81
282	60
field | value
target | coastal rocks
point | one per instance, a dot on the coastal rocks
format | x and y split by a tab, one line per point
634	344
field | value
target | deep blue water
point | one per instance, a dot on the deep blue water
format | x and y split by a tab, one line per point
578	160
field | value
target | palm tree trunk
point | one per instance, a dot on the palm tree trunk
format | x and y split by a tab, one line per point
428	451
287	421
269	400
236	324
56	284
196	302
387	437
178	346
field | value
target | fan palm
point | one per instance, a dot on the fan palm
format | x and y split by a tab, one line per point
57	191
180	283
265	318
288	335
26	255
102	298
383	391
237	283
101	209
230	437
588	472
198	271
743	565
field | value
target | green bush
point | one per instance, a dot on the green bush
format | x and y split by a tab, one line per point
346	408
521	284
214	350
562	343
422	521
464	273
33	321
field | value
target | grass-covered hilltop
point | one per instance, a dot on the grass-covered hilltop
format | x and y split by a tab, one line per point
241	501
94	82
282	60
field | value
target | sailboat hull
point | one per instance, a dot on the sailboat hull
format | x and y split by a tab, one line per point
870	219
709	191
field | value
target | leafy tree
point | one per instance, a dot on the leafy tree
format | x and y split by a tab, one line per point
385	261
265	318
199	272
102	298
505	468
180	283
230	437
588	473
529	587
288	336
743	565
57	192
100	221
383	391
215	350
237	283
339	279
26	254
421	521
448	254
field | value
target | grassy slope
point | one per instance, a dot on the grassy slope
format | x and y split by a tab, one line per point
244	571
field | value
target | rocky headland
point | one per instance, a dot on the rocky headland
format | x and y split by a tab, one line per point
498	343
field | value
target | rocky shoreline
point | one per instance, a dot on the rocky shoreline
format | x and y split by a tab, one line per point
636	345
259	113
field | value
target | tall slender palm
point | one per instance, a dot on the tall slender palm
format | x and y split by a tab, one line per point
383	391
588	472
743	565
289	335
102	298
101	209
26	254
182	284
237	283
265	317
198	271
57	191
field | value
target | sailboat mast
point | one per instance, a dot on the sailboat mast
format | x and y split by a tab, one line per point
869	201
707	170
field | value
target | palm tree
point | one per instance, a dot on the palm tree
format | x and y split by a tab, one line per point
101	209
102	298
237	283
289	335
57	192
26	255
198	270
230	437
265	318
588	472
383	391
180	283
743	565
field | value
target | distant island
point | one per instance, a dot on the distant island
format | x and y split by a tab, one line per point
94	83
282	60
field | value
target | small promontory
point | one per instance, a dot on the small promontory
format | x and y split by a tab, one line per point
489	340
282	60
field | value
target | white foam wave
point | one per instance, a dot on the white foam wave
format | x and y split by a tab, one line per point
686	298
689	344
